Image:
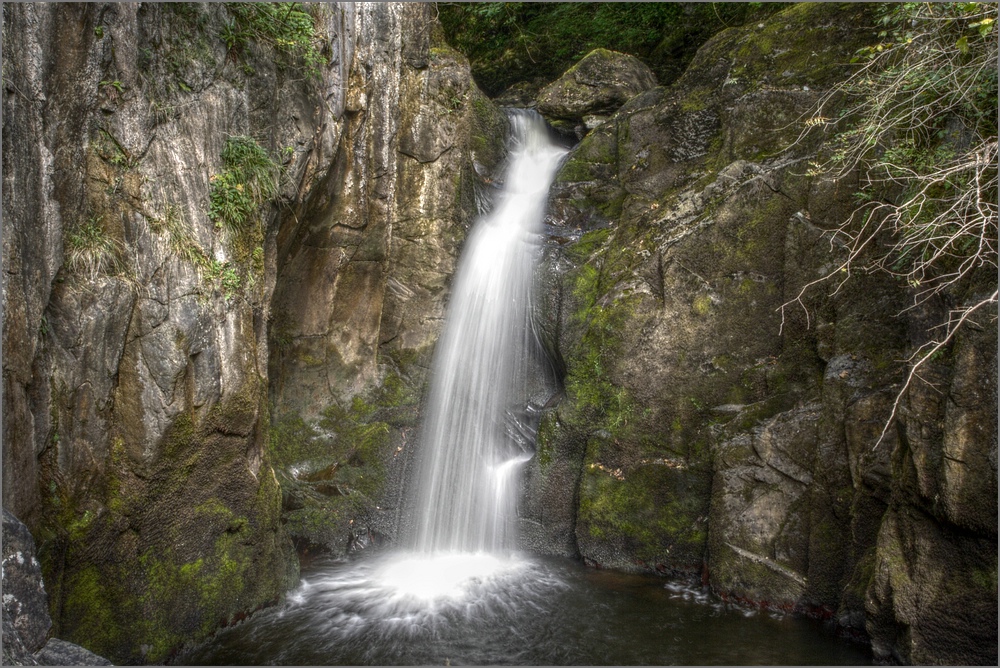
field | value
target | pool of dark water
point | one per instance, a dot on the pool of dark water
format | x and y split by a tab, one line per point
519	611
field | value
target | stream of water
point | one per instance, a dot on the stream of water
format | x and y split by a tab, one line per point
459	593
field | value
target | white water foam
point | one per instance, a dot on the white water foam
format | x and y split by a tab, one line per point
468	471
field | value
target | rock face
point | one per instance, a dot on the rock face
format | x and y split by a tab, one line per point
595	87
707	431
199	228
363	280
26	620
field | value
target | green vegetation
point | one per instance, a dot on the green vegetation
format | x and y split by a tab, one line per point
91	251
600	318
920	126
334	469
284	26
508	42
657	513
224	276
249	178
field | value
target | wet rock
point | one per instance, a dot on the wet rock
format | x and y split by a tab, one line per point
760	515
26	621
365	538
325	473
710	425
600	83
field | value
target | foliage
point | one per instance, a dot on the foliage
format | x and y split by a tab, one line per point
507	42
249	178
285	26
91	251
921	130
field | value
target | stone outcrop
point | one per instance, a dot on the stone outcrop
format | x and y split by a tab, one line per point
705	430
149	333
594	88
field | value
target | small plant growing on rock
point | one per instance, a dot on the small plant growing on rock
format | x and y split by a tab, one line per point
249	179
90	251
281	25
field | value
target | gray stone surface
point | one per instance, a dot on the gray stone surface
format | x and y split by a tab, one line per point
61	653
25	603
600	83
26	621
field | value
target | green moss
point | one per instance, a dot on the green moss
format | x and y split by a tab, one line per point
90	611
546	435
351	445
702	305
285	27
587	245
179	437
861	577
575	170
648	509
697	100
985	579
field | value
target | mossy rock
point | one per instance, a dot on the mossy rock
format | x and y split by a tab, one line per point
600	83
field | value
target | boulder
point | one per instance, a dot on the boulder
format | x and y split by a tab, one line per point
595	87
705	430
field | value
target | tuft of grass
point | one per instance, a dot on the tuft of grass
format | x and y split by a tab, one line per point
249	178
90	251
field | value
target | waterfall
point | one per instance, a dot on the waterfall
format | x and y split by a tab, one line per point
468	472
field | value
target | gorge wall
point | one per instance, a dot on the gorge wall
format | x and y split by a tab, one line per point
185	402
706	430
150	333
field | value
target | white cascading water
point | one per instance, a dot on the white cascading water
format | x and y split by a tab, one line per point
467	476
460	567
461	594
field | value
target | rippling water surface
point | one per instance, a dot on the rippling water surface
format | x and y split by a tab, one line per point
484	609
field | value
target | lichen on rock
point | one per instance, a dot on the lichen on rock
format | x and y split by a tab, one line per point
595	87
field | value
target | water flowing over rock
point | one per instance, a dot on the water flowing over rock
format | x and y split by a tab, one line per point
146	340
190	394
467	485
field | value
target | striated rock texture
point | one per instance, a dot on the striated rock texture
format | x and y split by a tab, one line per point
706	431
203	224
364	275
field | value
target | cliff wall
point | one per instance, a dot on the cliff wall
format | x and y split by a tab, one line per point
212	213
706	430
